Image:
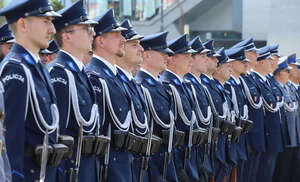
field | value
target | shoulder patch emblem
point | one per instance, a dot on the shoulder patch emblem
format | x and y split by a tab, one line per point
59	80
13	76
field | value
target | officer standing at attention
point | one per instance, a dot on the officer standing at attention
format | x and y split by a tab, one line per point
31	114
256	136
178	65
238	63
293	86
160	103
202	107
140	115
289	117
6	40
217	100
112	97
272	117
76	98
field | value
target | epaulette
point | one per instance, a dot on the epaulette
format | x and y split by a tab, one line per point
205	80
59	65
232	82
187	80
15	58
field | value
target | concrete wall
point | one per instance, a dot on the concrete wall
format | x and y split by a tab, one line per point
218	17
285	26
256	18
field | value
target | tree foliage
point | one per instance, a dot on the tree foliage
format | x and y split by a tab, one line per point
57	5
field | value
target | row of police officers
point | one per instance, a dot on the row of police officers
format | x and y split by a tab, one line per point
107	104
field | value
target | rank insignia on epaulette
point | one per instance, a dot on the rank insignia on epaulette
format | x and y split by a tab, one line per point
107	72
28	59
150	81
176	81
71	65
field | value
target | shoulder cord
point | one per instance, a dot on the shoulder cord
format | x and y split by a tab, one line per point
74	99
123	127
249	97
152	109
203	120
236	107
180	108
213	108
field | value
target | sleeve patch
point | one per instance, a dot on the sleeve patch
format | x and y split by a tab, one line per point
13	76
97	89
59	80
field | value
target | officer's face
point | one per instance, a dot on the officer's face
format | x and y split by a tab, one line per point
252	56
44	58
81	37
5	48
294	72
38	31
183	62
239	67
212	65
226	70
133	52
114	43
275	62
199	63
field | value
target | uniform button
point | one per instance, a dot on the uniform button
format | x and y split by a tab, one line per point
120	109
114	158
72	161
267	134
31	171
83	101
44	99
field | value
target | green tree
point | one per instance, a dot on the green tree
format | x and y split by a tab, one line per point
57	5
2	19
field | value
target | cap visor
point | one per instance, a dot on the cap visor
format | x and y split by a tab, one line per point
45	51
204	51
216	55
11	41
246	60
88	22
118	29
190	51
51	14
166	50
135	37
230	60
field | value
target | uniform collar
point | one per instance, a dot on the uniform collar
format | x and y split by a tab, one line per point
108	64
209	77
180	79
296	85
35	58
197	78
236	80
261	76
128	75
78	63
143	70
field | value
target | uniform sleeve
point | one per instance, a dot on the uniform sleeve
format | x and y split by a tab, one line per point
15	98
59	80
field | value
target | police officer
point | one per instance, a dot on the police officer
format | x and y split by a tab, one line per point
271	115
140	113
108	45
238	63
76	98
30	102
6	40
161	104
219	102
289	118
293	86
178	65
255	137
202	107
